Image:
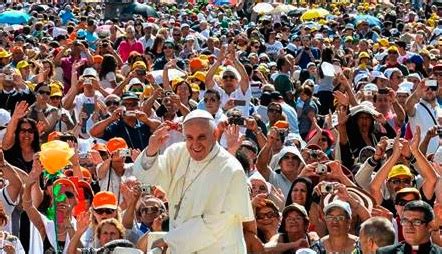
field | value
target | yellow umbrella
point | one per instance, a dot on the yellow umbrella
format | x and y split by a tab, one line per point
314	14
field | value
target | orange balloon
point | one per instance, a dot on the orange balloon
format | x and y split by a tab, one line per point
55	155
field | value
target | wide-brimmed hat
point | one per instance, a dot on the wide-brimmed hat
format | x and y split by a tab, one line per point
364	107
360	195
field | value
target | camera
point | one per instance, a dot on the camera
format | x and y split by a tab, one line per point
105	45
327	188
238	120
124	153
146	189
87	81
141	72
321	169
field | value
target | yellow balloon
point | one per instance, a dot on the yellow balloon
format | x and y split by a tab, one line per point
55	155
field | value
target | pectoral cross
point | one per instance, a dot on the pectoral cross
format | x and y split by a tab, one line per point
177	209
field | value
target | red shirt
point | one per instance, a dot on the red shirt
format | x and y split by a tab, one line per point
127	47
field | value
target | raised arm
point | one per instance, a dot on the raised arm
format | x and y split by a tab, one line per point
83	222
130	196
244	83
414	98
213	69
99	128
21	109
400	112
376	184
424	167
265	155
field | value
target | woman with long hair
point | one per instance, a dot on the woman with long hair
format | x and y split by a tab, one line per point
157	47
325	90
108	77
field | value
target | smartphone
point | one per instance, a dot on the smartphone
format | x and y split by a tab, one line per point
146	189
124	153
430	82
239	102
89	108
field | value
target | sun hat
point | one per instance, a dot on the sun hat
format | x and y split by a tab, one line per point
5	117
90	72
4	53
116	143
290	149
105	199
139	64
359	194
408	190
199	75
22	64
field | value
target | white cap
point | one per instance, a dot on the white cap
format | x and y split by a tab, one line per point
338	204
305	251
90	72
405	87
134	81
388	72
414	75
371	87
377	74
360	77
190	37
5	117
198	113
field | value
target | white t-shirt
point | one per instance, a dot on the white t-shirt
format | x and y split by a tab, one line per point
8	206
273	49
236	95
108	79
83	99
111	182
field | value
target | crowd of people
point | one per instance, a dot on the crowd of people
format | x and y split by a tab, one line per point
210	128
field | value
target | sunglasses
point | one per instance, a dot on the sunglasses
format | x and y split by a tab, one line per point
402	202
268	215
44	93
150	209
273	110
330	218
176	35
55	97
30	130
110	103
69	194
399	181
168	47
210	99
229	77
104	210
432	88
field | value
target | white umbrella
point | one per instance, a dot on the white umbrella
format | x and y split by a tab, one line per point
173	73
283	8
263	8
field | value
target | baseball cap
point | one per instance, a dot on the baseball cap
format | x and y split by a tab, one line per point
198	114
295	207
139	64
116	143
363	55
405	87
4	53
134	81
393	49
97	59
22	64
100	147
104	199
338	204
56	89
408	190
371	87
399	170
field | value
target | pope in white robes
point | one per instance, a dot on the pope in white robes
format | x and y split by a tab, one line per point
206	187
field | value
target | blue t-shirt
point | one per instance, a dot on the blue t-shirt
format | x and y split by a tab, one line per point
305	58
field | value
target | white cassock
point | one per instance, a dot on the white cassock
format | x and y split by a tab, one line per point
214	194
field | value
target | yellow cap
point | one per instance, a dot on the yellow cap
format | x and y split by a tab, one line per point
22	64
4	53
363	55
199	75
393	49
399	170
384	42
139	64
176	81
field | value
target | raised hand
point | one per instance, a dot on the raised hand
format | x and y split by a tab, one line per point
83	221
157	140
21	110
415	142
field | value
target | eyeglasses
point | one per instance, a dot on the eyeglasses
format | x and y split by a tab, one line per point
29	130
273	110
150	209
69	194
229	77
104	210
399	181
402	202
210	99
330	218
110	103
432	88
44	93
55	98
268	215
414	223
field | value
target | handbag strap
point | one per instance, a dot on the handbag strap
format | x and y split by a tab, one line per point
429	112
